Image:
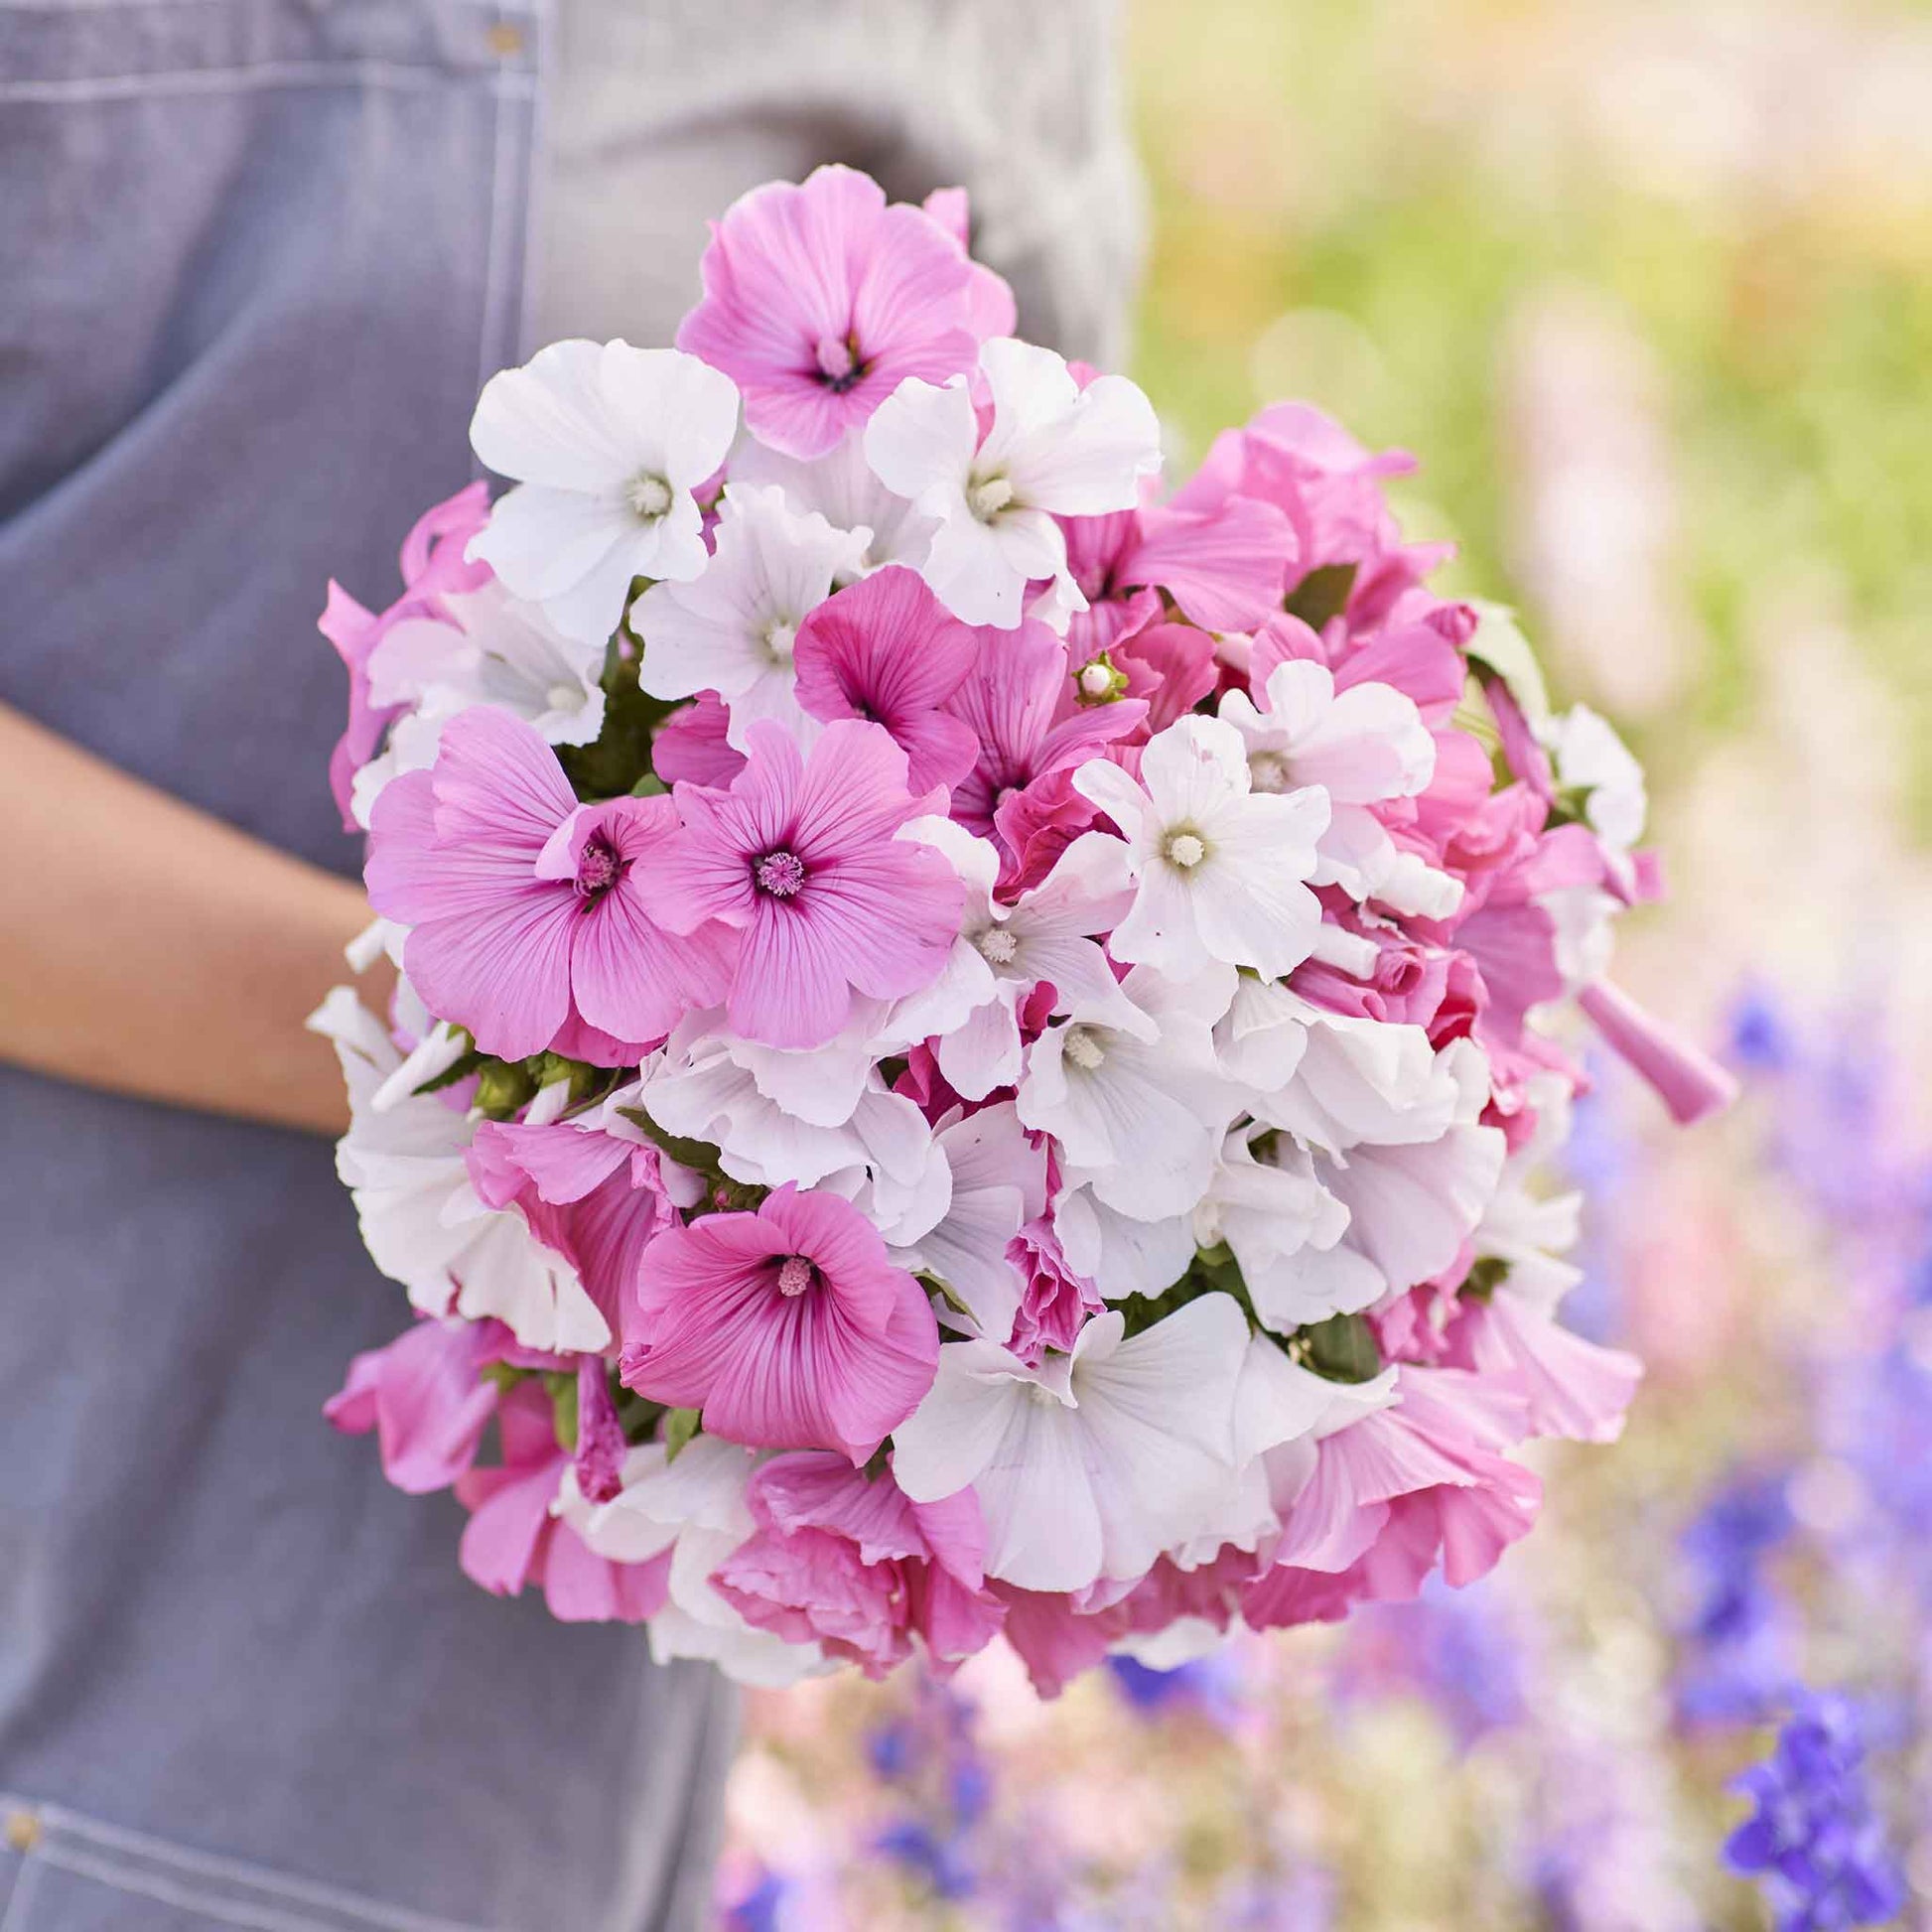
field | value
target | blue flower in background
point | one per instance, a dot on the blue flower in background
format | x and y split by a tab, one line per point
1738	1636
1814	1842
1210	1686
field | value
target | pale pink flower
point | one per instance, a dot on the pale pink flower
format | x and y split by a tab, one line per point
800	860
820	299
790	1328
1054	1300
849	1561
524	907
515	1536
425	1396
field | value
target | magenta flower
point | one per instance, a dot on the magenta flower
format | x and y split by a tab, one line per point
525	911
789	1329
1020	701
800	856
820	300
425	1397
887	649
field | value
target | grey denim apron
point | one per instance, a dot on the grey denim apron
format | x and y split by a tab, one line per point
255	257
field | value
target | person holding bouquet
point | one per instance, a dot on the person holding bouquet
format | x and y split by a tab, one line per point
259	257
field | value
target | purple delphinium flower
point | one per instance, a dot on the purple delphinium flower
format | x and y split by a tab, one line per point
1208	1686
1815	1841
1736	1639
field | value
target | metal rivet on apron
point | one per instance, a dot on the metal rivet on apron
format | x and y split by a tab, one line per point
22	1830
505	40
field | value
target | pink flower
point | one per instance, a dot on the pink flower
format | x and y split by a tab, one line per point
1225	567
425	1397
887	649
1397	1491
1689	1082
1053	1299
432	564
596	1200
513	1539
691	744
790	1328
524	907
800	860
849	1561
1020	703
820	300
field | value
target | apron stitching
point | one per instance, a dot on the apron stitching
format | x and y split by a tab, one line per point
134	1846
25	1880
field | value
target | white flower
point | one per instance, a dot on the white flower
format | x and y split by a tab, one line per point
1139	1111
694	1507
1527	1229
1003	953
1054	449
1410	1206
999	1184
731	630
1362	746
1093	1464
421	1218
1120	1256
1590	758
606	443
1219	867
841	487
1332	1080
778	1115
497	652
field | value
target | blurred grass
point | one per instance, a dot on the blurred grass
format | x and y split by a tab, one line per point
1357	203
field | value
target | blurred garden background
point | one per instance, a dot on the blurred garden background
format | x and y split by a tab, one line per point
1647	289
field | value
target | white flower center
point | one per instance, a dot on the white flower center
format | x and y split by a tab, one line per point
997	945
779	638
1184	848
986	499
651	496
563	697
1083	1049
1267	771
1096	680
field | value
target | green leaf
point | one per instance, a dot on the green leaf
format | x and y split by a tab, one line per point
1322	593
650	785
1341	1348
456	1071
937	1285
680	1426
1484	1278
700	1155
503	1088
561	1385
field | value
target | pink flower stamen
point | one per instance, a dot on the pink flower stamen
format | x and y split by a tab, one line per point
796	1274
597	868
781	873
839	367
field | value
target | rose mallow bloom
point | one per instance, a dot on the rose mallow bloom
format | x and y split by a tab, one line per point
606	443
886	651
820	299
1053	448
1221	867
789	1329
524	907
800	858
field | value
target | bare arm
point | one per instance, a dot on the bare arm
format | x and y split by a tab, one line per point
150	949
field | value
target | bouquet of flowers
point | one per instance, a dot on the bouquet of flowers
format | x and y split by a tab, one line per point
972	1043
